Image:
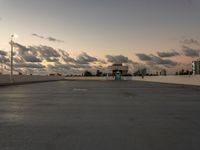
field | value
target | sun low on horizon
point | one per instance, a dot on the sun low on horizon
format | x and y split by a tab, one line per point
75	35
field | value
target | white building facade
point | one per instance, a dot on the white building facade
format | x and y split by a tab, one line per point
196	67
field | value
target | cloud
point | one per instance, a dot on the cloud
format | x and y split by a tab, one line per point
4	59
118	59
144	57
26	53
67	68
39	36
46	53
190	42
51	39
81	66
54	40
3	53
168	54
17	59
31	58
52	59
155	60
190	52
28	65
160	61
41	53
66	57
84	58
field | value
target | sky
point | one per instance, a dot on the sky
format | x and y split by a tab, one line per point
165	32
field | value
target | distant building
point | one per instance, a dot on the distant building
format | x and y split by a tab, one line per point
196	67
150	72
163	72
99	73
119	68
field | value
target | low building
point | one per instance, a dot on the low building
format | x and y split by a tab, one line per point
140	72
118	68
163	72
196	67
150	72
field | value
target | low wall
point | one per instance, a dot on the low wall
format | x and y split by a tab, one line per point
90	78
20	79
185	80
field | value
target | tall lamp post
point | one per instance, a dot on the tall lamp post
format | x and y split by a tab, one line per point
1	65
11	59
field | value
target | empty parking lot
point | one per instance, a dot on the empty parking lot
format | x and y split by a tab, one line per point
99	115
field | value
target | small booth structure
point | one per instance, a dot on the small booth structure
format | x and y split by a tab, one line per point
118	70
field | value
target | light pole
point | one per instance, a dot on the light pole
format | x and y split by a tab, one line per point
1	65
11	59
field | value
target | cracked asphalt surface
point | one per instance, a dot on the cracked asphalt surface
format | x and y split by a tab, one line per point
99	115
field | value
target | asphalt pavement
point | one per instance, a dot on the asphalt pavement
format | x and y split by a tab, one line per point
99	115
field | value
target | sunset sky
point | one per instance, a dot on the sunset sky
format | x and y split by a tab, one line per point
151	33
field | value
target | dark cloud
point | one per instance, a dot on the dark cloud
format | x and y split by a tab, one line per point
144	57
190	42
65	69
160	61
155	60
190	52
47	51
118	59
40	53
84	58
32	58
26	53
28	59
39	36
18	59
62	67
81	66
54	40
168	54
52	59
66	57
28	65
3	53
4	59
51	39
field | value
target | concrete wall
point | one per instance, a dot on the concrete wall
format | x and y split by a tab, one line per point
90	78
186	80
18	79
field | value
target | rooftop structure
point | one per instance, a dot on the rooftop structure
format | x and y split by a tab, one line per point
118	68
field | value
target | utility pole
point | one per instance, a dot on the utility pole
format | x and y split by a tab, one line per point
11	58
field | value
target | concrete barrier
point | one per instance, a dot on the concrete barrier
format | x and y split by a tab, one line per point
21	79
185	80
90	78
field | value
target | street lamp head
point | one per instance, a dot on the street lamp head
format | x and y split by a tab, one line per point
14	36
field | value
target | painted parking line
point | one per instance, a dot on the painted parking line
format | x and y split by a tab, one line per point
82	90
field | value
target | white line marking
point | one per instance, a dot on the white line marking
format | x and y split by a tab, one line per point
83	90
